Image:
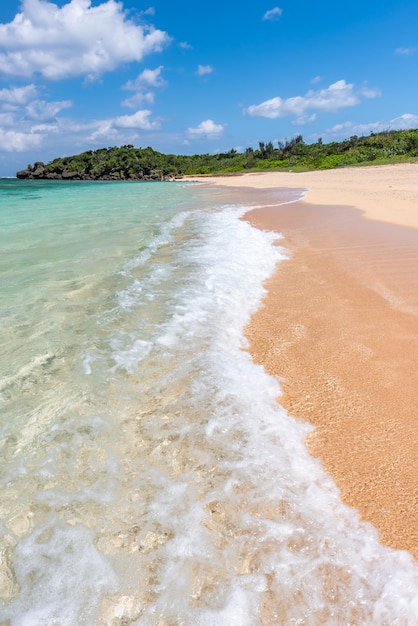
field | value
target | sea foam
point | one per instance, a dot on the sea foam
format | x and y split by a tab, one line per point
256	530
164	483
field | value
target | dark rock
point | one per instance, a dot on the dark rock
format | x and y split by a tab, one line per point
40	171
23	173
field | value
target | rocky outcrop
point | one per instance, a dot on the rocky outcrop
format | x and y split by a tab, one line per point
40	171
35	171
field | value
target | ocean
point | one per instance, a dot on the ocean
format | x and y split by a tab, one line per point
148	474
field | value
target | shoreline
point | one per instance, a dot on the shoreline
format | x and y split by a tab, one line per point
338	328
386	193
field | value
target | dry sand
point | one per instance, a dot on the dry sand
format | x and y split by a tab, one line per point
388	193
339	327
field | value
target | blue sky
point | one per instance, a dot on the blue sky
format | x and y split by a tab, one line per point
187	77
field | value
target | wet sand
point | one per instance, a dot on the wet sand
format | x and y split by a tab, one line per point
339	328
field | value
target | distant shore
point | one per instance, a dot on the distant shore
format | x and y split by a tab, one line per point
339	329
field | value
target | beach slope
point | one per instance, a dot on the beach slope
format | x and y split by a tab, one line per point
339	329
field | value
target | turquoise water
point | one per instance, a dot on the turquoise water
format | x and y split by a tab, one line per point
148	475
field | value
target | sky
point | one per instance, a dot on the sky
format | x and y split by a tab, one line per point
185	77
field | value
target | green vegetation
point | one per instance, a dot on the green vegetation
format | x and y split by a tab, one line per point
129	163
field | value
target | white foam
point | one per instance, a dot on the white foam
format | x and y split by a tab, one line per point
272	500
230	266
58	570
195	483
128	359
152	246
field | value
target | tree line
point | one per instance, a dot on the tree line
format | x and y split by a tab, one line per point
130	163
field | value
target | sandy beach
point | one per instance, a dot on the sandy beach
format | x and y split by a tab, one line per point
339	329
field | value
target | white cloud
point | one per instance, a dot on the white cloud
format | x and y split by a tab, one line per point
138	99
102	130
206	129
143	82
370	92
19	109
303	120
150	11
42	111
41	128
73	40
116	131
139	120
147	78
406	51
204	69
6	119
184	45
12	141
337	96
45	128
403	122
316	79
18	95
273	14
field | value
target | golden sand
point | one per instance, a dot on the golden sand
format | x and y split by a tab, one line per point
388	193
339	327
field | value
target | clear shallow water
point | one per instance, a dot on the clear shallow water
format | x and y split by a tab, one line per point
148	475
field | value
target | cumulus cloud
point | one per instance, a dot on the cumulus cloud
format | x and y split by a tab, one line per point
18	96
42	111
139	120
303	120
102	130
35	119
403	122
206	129
119	129
138	99
273	14
204	69
147	78
142	86
39	125
73	40
13	141
337	96
6	119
